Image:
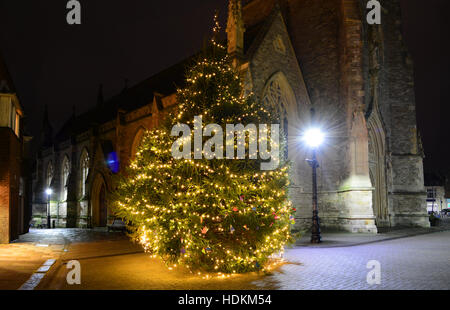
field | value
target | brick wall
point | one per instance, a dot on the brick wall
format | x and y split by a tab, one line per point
10	157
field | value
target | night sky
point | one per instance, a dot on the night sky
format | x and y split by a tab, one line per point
62	66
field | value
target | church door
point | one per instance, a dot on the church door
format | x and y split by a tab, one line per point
98	203
102	207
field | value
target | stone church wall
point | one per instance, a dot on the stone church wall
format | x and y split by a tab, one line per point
327	67
404	156
76	211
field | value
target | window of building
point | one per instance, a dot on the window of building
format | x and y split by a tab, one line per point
17	125
84	165
431	193
12	116
49	176
275	99
137	142
65	171
9	114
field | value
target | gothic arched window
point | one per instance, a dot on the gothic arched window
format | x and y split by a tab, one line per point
49	175
65	171
285	123
84	166
137	141
279	99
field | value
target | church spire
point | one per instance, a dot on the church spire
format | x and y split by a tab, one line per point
235	29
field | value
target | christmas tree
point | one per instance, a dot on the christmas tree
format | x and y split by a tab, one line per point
209	214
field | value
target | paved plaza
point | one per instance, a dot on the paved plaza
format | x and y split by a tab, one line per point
409	260
419	262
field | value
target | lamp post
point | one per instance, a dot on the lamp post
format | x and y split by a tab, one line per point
49	192
314	138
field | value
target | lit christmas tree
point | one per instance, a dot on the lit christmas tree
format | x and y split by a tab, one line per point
215	215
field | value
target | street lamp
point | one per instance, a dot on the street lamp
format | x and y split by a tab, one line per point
49	192
314	137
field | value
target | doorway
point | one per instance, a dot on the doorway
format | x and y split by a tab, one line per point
99	203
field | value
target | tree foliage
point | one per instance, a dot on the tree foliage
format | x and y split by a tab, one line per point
214	215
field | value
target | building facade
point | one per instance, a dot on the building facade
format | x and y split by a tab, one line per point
14	213
436	199
294	55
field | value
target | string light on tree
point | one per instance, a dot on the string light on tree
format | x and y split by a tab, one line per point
219	215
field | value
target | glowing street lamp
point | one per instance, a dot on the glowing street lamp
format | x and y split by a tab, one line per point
314	137
49	192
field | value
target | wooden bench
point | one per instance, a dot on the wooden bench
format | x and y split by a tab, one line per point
117	224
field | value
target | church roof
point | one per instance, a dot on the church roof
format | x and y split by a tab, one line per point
254	12
164	82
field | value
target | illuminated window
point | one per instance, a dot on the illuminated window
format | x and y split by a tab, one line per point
17	125
84	166
275	98
12	117
137	141
49	176
65	171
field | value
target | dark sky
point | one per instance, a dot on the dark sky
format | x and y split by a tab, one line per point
60	65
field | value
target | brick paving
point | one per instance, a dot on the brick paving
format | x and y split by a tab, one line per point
22	258
19	261
419	262
409	263
341	239
110	261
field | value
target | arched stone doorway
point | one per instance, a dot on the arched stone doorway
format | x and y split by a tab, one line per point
377	167
99	208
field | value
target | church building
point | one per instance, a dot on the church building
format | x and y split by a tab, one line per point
295	55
